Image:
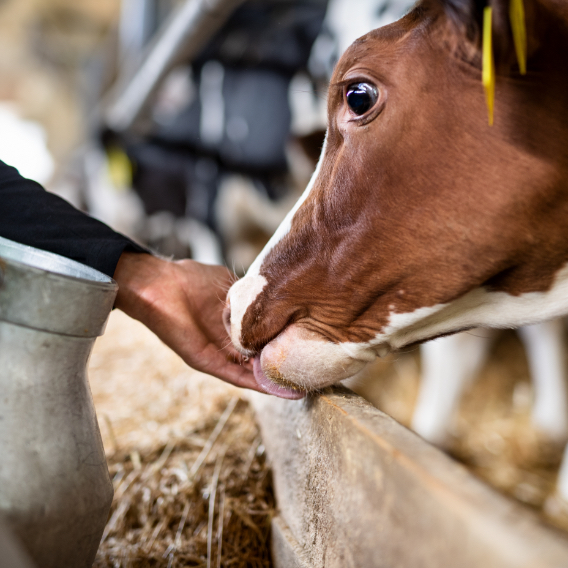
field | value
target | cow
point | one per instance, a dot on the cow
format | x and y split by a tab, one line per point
421	219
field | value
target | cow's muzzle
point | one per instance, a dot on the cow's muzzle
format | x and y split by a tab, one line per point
299	360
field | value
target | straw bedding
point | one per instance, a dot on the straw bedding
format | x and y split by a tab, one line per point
191	484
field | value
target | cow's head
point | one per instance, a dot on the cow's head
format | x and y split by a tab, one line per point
421	219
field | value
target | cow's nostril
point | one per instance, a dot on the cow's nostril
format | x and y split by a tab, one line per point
227	318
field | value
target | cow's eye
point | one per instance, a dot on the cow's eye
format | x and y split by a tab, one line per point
361	97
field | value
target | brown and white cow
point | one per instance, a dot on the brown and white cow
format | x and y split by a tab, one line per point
421	219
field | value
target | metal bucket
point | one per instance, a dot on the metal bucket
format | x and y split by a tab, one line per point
55	490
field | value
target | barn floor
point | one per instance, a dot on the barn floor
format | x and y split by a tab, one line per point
184	450
190	479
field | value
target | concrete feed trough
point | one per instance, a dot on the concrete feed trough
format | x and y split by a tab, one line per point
355	488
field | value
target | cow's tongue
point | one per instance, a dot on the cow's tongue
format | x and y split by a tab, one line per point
270	386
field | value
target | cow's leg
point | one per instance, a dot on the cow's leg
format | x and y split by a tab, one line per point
448	365
556	504
545	351
562	482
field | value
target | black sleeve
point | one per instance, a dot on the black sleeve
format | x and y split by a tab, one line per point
32	216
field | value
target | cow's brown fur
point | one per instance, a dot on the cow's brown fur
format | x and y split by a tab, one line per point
421	201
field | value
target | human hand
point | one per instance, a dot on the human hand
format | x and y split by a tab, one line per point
182	303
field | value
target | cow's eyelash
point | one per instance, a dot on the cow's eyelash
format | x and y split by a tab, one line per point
346	82
343	83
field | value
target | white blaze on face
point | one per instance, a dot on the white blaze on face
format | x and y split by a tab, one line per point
243	292
284	227
241	296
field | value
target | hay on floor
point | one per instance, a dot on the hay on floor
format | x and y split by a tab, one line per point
192	487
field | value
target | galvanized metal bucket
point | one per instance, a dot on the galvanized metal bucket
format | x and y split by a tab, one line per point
55	490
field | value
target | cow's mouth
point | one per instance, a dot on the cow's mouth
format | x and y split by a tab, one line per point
276	384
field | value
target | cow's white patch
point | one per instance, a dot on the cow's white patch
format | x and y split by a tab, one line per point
478	308
240	296
360	351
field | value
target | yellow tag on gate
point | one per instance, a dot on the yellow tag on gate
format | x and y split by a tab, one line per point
488	65
517	17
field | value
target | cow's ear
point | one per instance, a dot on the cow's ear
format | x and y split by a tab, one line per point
506	23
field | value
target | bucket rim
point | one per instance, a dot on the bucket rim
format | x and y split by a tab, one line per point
41	261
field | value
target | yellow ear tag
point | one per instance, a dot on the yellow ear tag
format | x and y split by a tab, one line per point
488	66
517	17
119	168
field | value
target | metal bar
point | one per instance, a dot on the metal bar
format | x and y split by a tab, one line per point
182	37
135	30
